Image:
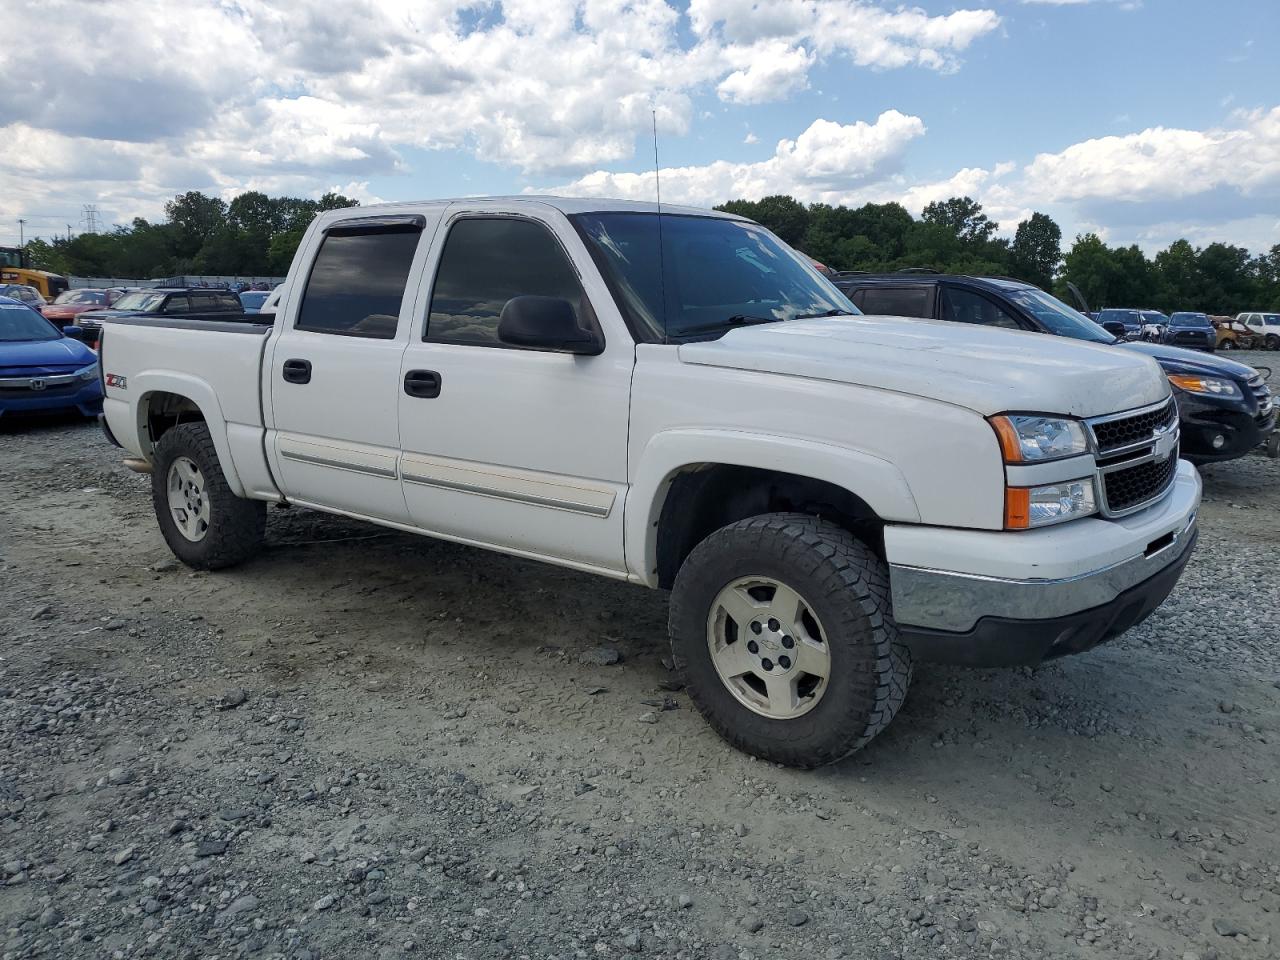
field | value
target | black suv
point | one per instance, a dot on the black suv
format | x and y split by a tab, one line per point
1225	407
189	303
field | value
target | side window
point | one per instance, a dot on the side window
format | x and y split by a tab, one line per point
204	302
358	281
176	304
228	302
965	306
487	261
897	301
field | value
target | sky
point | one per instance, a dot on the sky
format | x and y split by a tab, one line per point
1141	120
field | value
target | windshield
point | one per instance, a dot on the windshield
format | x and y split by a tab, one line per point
1189	320
139	301
20	322
713	273
1152	316
82	296
1056	316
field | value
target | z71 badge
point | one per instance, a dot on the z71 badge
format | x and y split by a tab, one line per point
115	380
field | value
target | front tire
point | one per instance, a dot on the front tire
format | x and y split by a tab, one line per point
1272	342
206	525
782	630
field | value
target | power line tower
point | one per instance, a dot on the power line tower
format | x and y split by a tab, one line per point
90	218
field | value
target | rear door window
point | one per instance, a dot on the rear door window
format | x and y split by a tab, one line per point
898	301
966	306
177	303
358	280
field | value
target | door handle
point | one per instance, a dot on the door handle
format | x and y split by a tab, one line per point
297	371
422	383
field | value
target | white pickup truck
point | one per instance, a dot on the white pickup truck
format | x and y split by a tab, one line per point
680	401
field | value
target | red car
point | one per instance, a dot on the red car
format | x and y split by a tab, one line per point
71	303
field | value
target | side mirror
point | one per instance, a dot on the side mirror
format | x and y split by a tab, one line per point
74	332
546	323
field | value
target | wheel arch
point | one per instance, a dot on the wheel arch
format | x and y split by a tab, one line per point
691	483
168	399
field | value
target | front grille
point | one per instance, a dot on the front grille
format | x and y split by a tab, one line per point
1126	431
1135	485
1262	393
52	390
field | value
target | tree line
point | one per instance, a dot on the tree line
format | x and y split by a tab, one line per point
253	235
956	236
256	235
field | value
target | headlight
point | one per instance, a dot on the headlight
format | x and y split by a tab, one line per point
88	373
1026	507
1032	439
1208	386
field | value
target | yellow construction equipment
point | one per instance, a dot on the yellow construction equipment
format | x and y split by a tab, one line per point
15	267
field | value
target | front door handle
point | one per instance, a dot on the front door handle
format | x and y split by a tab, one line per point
297	371
422	383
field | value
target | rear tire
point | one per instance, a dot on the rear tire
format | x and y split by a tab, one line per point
841	590
1227	345
1272	342
206	525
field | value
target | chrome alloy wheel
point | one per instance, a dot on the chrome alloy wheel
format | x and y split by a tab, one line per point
188	499
768	647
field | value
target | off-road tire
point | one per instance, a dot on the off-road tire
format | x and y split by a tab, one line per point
1272	342
848	587
236	525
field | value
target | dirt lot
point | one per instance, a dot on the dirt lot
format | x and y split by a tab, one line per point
365	744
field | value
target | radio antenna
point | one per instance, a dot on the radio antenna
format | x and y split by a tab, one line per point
657	186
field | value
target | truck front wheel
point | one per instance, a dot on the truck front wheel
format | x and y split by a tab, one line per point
206	525
781	627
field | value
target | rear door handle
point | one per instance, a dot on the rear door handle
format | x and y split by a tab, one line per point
297	371
422	383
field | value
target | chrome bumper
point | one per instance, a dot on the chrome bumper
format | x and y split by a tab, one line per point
954	602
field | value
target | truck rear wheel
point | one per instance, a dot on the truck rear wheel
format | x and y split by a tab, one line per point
206	525
781	627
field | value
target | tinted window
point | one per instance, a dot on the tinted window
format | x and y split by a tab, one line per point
486	262
177	303
357	282
1271	319
204	302
965	306
1054	315
898	301
688	276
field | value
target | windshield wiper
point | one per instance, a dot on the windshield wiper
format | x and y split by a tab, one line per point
824	313
737	320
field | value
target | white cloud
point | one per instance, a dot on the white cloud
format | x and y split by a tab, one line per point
826	162
1161	163
223	94
750	138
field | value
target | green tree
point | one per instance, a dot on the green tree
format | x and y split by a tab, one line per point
963	216
1179	285
196	217
785	216
1036	250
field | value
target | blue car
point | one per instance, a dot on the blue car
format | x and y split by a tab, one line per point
42	370
1191	330
253	300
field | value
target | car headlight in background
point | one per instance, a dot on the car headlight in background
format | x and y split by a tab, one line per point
88	373
1027	507
1206	386
1033	439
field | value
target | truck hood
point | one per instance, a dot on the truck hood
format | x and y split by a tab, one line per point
983	369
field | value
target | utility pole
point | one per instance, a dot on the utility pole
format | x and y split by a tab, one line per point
68	233
22	237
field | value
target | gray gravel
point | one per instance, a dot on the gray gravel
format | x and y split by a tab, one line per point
365	744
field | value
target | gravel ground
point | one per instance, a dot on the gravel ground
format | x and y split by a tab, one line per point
366	744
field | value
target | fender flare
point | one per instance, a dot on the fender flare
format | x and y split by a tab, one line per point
202	395
879	483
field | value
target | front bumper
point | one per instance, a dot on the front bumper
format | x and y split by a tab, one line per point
87	399
1005	599
1205	419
